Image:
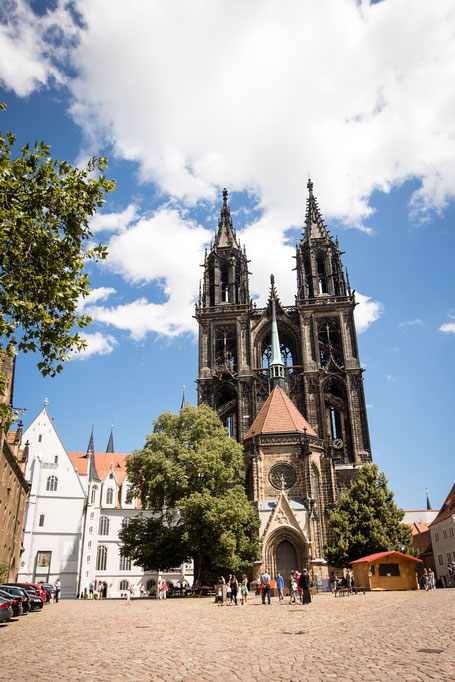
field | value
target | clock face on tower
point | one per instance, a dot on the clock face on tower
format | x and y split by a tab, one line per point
337	444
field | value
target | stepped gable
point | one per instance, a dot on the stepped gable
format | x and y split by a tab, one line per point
279	415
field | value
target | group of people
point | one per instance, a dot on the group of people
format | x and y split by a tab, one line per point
236	590
299	587
346	580
100	590
427	580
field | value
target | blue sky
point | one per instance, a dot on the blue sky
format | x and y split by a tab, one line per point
187	98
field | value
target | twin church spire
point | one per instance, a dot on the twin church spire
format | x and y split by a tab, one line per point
309	348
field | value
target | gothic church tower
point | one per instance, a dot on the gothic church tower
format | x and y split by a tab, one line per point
318	342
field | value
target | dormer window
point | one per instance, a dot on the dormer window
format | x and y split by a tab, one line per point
109	496
111	475
40	438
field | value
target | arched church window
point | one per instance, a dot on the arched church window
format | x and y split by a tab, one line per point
51	483
227	407
109	496
329	338
41	519
287	349
225	283
101	558
322	277
104	525
335	410
93	497
123	585
226	349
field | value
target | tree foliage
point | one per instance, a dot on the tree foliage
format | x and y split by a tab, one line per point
45	208
366	520
190	474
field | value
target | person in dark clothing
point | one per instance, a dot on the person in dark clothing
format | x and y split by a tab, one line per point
304	584
234	589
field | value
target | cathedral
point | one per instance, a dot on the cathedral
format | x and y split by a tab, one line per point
287	383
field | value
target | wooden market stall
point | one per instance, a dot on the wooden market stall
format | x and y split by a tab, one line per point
387	571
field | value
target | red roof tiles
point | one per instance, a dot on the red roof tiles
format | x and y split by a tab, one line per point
279	415
381	555
102	463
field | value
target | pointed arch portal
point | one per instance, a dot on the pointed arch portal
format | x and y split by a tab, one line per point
282	547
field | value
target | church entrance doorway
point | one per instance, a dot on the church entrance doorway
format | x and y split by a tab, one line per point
286	560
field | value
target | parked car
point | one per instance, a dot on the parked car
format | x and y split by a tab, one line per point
50	590
38	590
6	610
18	592
16	602
35	601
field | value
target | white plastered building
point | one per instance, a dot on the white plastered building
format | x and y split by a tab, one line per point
77	505
55	509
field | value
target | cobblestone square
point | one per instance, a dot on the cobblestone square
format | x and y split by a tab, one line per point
377	636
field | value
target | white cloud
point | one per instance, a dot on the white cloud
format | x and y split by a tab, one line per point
165	249
113	222
33	48
412	323
95	295
448	327
97	344
366	312
390	378
242	94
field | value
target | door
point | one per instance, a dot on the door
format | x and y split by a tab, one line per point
286	560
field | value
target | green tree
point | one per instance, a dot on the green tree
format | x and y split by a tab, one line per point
366	520
45	208
190	473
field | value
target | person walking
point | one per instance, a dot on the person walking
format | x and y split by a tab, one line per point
100	590
333	582
280	587
164	589
304	583
90	589
266	589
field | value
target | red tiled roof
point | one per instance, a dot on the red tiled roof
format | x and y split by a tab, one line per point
279	415
447	509
418	527
102	463
381	555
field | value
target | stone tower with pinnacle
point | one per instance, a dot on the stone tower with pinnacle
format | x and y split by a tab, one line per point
319	362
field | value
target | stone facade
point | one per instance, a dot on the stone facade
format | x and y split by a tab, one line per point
322	378
14	489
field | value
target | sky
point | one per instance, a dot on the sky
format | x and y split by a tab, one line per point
188	98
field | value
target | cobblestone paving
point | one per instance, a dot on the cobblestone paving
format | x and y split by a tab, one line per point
377	636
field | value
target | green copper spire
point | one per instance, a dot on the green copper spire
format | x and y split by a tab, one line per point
276	366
